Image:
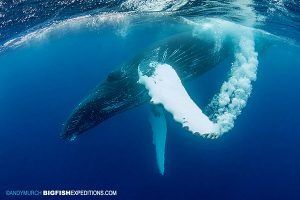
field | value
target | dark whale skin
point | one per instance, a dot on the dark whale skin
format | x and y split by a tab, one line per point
189	55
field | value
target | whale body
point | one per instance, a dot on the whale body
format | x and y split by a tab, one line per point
189	55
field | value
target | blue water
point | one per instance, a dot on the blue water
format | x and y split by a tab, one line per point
42	80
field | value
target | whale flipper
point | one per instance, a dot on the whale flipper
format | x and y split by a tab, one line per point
159	127
165	87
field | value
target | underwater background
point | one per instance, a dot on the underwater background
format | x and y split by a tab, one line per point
53	53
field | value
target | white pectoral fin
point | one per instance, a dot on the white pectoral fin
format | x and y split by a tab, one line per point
165	87
159	127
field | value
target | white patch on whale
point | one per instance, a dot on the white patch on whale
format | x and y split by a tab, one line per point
165	87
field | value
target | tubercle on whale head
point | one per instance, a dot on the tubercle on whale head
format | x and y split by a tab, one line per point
70	130
85	116
72	137
73	126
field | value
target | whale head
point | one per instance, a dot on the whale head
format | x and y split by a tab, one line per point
119	92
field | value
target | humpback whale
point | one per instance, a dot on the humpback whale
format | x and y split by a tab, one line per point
149	77
157	74
189	55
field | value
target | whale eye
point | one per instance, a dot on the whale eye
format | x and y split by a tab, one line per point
114	76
